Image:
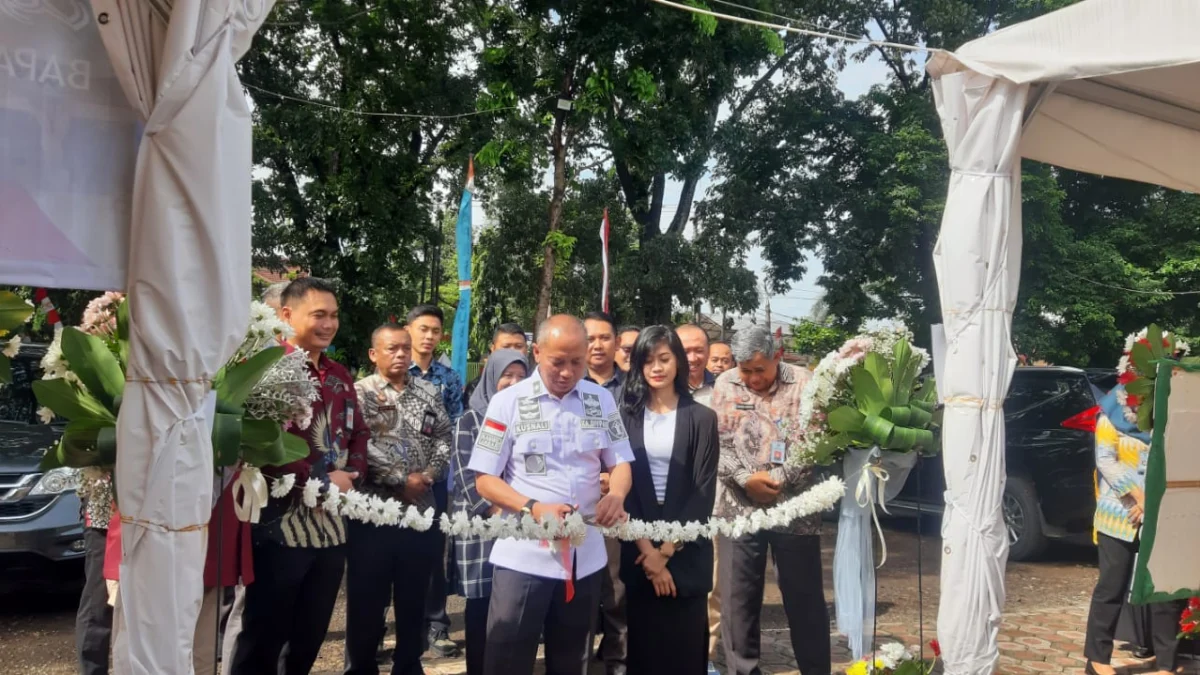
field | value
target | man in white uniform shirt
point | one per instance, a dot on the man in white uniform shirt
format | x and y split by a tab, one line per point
540	452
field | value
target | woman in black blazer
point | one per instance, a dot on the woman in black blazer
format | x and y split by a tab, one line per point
676	450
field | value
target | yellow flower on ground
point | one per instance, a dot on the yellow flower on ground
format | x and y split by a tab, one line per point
859	668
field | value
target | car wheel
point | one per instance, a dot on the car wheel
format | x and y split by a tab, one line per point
1022	519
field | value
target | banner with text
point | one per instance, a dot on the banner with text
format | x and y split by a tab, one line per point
68	145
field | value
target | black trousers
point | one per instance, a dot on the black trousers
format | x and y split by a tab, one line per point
1112	588
523	607
94	620
287	609
614	645
386	565
435	602
742	571
476	615
667	635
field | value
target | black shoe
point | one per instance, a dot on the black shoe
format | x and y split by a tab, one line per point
1142	652
441	645
1089	670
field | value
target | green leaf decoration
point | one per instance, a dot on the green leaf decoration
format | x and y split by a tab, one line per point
1154	336
845	418
1143	386
294	448
94	364
226	438
239	380
866	391
1145	414
14	312
5	370
67	401
262	442
88	443
1143	359
889	410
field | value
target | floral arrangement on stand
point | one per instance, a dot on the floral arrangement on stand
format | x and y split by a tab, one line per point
867	407
896	659
378	511
1189	621
14	312
260	392
1137	372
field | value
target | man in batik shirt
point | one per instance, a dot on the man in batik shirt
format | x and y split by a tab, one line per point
300	552
409	452
752	402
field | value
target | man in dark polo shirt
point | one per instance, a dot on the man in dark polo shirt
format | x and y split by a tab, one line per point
299	552
602	370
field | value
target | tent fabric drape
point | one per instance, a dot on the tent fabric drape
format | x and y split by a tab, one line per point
978	260
188	289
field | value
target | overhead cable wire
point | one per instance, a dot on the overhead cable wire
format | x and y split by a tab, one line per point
799	22
793	29
1127	290
371	113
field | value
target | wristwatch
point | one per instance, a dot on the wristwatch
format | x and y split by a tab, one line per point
528	508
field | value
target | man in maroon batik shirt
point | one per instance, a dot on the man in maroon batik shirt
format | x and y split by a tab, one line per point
299	552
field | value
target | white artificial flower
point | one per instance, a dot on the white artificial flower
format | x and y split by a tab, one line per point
45	414
13	347
312	490
283	486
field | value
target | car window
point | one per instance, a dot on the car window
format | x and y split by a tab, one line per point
17	402
1046	399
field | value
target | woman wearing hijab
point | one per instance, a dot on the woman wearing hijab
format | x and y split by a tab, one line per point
504	368
676	450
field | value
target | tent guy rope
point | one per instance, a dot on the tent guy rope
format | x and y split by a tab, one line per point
380	113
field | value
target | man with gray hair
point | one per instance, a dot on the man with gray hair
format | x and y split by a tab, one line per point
754	402
273	296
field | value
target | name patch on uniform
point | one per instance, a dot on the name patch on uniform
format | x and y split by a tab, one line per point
491	437
745	406
616	428
591	406
522	428
535	464
593	424
528	408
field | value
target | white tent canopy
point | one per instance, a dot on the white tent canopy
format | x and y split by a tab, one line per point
1105	86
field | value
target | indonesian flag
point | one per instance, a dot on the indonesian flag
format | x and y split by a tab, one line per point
604	261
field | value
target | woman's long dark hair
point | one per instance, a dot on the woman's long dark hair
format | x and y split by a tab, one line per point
636	391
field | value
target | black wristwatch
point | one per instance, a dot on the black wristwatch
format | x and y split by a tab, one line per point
528	508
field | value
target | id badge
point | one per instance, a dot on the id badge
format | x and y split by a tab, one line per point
427	423
778	452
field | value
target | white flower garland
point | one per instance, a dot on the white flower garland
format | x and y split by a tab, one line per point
378	511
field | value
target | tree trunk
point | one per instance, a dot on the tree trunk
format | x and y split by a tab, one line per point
559	140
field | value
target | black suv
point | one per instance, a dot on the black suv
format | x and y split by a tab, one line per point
1049	419
40	518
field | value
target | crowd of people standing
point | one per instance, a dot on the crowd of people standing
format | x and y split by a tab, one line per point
609	421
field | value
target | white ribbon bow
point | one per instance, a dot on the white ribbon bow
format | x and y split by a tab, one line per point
874	476
249	494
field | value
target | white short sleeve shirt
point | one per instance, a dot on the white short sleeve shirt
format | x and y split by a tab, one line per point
551	450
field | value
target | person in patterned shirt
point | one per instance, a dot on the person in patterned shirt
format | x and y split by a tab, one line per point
409	451
425	326
299	552
752	403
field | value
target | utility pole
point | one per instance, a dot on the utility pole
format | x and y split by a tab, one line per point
767	301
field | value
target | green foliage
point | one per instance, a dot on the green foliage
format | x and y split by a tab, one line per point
14	312
817	340
889	409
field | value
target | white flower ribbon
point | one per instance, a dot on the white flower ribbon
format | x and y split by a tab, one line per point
249	494
871	490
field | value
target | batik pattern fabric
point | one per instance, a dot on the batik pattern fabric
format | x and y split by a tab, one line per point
410	433
1121	454
337	441
751	425
448	384
470	553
